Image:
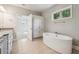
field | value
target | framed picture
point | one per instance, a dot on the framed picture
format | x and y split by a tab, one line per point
57	15
64	13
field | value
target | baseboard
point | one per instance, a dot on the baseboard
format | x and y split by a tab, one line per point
75	47
38	37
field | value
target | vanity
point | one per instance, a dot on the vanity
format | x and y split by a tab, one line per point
6	38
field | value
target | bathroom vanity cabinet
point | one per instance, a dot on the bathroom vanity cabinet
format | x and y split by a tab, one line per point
6	42
6	36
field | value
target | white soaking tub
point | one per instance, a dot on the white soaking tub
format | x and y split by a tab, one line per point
58	42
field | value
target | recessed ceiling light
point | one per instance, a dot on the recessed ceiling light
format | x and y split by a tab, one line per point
2	8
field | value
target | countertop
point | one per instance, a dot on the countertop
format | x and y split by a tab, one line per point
3	32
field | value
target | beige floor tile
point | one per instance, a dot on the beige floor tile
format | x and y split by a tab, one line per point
36	46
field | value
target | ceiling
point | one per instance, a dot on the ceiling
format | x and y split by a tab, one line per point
35	7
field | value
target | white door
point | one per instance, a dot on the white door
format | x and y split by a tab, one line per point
29	33
38	26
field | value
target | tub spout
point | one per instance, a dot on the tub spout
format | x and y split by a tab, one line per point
56	35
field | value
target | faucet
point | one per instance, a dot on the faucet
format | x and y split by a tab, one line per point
56	34
0	28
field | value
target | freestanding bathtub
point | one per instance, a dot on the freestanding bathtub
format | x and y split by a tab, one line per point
58	42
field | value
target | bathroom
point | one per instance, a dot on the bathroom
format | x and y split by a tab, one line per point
28	26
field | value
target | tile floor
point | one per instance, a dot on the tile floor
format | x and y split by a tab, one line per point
36	46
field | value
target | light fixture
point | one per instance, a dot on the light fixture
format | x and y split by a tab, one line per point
2	8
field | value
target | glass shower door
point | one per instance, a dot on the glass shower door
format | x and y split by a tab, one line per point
21	27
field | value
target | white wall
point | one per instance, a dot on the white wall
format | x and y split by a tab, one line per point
70	27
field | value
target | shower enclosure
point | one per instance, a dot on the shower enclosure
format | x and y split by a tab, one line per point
23	27
28	27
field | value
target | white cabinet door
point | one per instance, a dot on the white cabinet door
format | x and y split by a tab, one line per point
1	19
9	21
